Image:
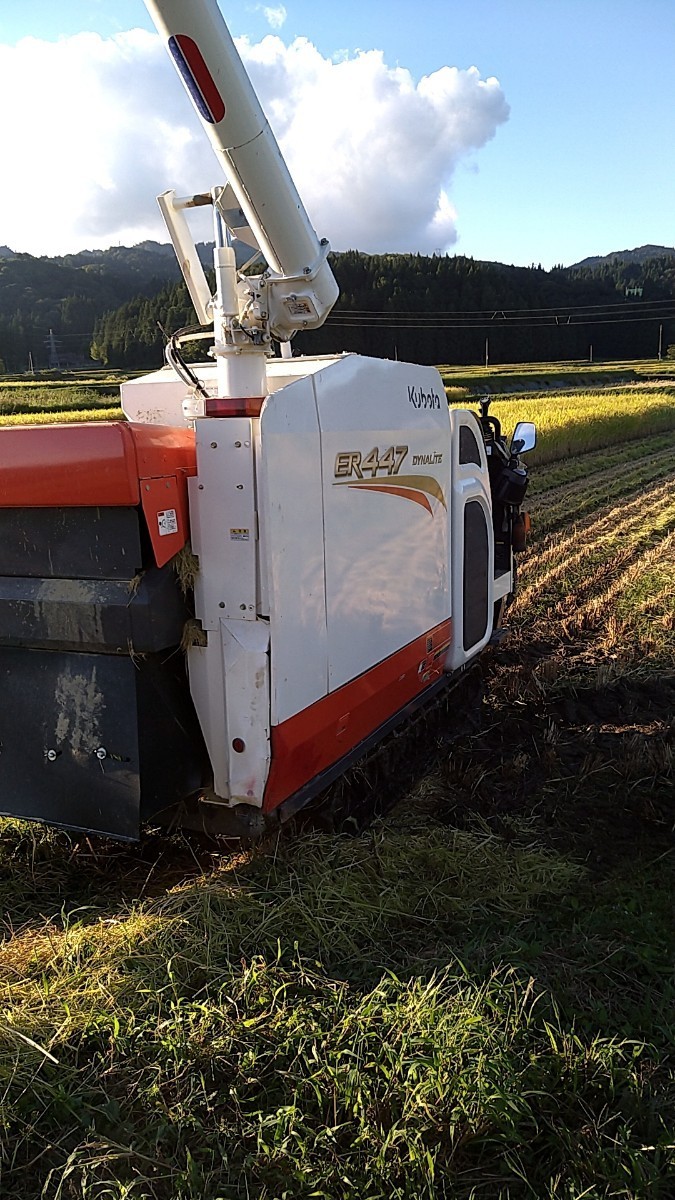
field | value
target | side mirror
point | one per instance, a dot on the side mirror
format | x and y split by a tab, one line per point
524	437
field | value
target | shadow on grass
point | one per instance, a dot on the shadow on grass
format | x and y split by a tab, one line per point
414	1012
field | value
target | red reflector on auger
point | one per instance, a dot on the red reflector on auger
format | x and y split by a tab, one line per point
197	78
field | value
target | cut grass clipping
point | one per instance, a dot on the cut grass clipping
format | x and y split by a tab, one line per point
473	999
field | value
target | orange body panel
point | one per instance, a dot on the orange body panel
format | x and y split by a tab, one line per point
314	739
46	466
118	464
161	498
92	464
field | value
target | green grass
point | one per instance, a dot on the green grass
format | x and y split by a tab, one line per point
239	1032
49	398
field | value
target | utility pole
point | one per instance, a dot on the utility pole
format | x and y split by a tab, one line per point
52	346
660	340
590	353
487	351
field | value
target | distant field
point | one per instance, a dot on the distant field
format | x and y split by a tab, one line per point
473	999
576	422
593	403
38	403
521	377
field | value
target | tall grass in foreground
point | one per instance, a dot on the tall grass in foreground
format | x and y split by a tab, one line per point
327	1018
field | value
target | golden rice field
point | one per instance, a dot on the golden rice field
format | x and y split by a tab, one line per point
31	402
60	417
569	421
578	422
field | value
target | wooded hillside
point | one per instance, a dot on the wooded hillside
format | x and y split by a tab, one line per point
440	309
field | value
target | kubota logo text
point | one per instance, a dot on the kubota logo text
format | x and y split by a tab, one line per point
421	399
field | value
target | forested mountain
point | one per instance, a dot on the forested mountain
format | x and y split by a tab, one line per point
639	255
440	309
443	309
68	294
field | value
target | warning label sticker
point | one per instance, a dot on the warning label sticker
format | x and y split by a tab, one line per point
299	307
239	535
167	522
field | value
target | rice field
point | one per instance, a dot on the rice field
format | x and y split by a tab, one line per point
472	999
556	376
57	401
579	422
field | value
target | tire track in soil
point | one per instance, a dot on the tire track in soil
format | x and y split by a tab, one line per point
589	772
586	767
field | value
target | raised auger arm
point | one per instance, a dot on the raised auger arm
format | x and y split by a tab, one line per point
298	289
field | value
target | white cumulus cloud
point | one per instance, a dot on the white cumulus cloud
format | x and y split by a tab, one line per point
275	17
100	125
372	152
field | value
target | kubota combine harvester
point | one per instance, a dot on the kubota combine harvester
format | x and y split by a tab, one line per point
351	537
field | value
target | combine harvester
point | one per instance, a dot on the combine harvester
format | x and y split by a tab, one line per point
352	537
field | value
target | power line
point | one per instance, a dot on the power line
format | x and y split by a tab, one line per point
516	318
540	324
556	308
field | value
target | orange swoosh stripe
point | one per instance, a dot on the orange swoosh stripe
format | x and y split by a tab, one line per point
408	493
411	487
425	483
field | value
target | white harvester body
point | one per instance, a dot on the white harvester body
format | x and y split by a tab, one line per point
334	569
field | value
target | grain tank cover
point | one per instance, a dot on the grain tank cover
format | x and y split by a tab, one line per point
103	465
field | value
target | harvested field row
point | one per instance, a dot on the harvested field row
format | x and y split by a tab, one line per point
598	544
584	466
558	506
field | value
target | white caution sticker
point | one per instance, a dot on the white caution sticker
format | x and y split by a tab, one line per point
167	522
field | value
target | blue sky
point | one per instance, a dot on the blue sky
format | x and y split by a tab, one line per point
583	165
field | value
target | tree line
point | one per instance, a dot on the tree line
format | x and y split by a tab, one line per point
110	305
68	294
442	310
